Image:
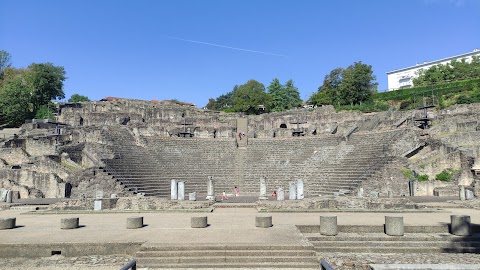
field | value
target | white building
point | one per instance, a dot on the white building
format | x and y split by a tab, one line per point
403	78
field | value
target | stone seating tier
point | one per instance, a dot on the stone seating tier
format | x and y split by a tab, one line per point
325	164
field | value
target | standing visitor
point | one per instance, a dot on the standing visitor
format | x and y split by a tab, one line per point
235	191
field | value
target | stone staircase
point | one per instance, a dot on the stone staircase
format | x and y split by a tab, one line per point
158	256
381	243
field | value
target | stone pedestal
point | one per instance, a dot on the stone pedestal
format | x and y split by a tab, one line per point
300	195
181	191
462	193
328	225
7	223
69	223
173	190
263	222
460	225
210	189
15	195
292	191
192	196
394	226
280	194
199	222
134	222
469	195
263	188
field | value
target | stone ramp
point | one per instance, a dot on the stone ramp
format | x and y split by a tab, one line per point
247	256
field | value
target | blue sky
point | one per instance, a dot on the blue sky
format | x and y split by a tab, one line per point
195	50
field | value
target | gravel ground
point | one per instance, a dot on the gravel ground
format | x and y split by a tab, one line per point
360	261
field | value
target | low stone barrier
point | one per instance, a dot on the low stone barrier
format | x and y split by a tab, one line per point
328	225
263	221
394	226
7	223
134	222
460	225
69	223
199	222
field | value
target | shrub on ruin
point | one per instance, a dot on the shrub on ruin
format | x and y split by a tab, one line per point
423	177
445	175
408	174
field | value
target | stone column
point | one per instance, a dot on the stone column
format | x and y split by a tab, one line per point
192	196
7	223
300	195
181	191
328	225
394	226
173	190
9	196
462	193
134	222
210	189
69	223
263	222
199	222
280	194
292	190
360	192
460	225
263	188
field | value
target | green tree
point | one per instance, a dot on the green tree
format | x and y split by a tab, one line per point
453	71
45	82
328	92
5	58
283	97
78	98
15	102
357	84
249	96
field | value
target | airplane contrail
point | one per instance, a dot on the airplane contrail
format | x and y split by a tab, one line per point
226	47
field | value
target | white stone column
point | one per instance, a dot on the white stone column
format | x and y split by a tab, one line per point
292	190
181	191
280	194
300	194
173	190
9	196
210	189
263	188
462	193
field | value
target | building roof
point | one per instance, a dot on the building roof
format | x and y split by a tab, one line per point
475	51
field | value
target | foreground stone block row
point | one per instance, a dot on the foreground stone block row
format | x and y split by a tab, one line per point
394	226
135	222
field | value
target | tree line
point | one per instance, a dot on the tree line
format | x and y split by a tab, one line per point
352	85
27	93
453	71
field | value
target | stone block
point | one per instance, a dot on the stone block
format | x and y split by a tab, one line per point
263	221
390	194
460	225
328	225
394	226
99	194
15	195
97	205
134	222
192	196
469	195
199	222
69	223
7	223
